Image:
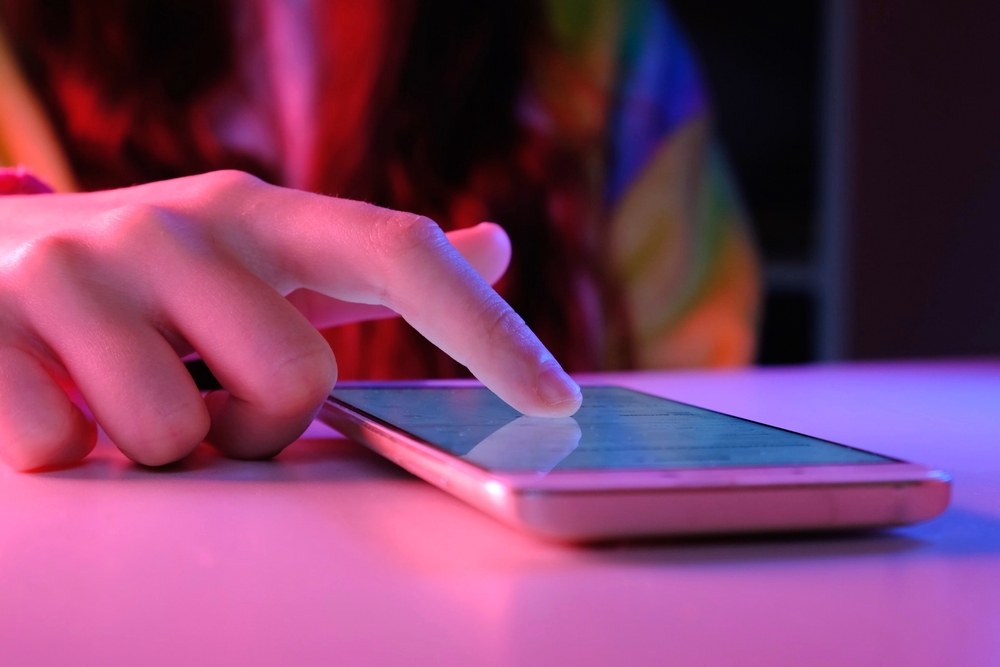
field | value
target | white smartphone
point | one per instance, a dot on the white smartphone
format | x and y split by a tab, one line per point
630	464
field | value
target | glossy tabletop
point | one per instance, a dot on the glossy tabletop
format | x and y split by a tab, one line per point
330	555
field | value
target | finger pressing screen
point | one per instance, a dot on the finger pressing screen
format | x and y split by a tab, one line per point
357	252
467	319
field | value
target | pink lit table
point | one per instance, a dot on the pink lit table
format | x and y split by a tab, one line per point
331	556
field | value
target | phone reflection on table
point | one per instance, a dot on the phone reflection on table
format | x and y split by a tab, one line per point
528	443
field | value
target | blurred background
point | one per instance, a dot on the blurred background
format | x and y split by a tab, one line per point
866	139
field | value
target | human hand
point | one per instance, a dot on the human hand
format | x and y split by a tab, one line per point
108	290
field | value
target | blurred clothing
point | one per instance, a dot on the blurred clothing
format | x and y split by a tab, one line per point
669	275
622	79
26	137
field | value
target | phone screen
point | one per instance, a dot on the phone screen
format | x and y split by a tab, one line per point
615	428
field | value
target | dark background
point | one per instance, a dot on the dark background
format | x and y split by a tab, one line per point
866	140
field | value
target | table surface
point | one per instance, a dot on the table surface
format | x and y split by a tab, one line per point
330	555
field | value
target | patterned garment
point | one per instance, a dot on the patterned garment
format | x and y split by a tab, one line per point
618	84
621	80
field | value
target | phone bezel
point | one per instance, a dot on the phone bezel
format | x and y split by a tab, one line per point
439	463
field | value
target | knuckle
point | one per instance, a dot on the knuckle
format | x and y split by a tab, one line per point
403	233
128	232
115	259
133	226
125	231
196	194
501	321
402	242
229	182
40	260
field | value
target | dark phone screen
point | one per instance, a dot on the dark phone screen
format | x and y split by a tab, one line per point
615	428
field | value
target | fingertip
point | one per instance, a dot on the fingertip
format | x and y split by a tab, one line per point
502	248
240	431
551	393
558	393
63	441
562	410
498	234
40	427
166	440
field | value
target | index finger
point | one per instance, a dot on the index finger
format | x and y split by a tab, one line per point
359	252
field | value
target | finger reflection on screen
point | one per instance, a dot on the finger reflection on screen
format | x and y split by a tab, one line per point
528	443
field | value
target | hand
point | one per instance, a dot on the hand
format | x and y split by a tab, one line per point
106	292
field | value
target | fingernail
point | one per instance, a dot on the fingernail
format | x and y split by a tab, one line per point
555	387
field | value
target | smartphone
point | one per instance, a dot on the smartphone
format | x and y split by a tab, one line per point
629	465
